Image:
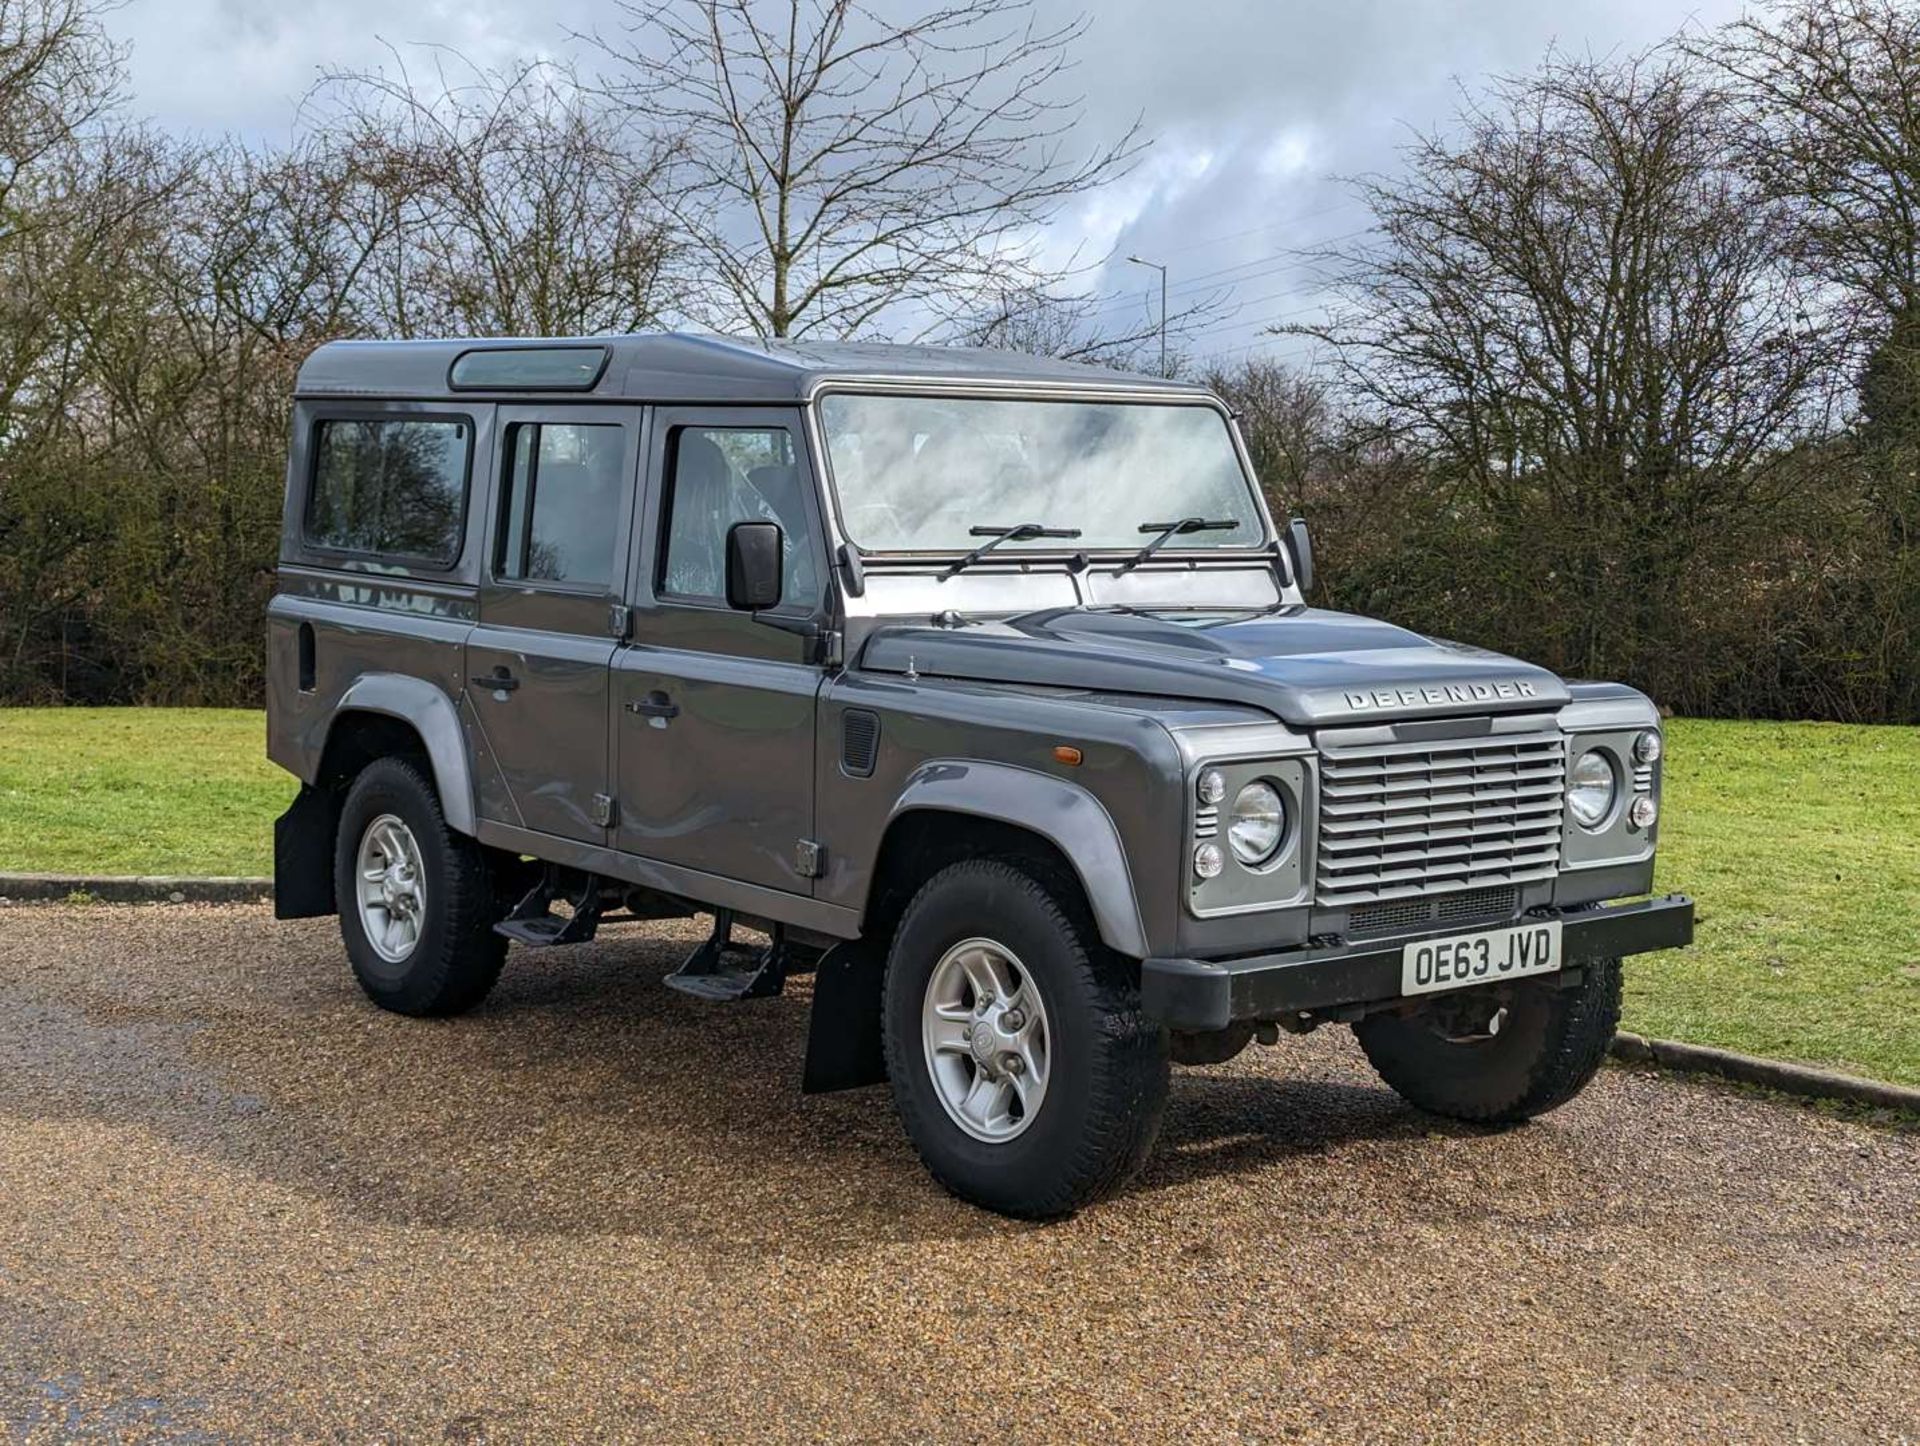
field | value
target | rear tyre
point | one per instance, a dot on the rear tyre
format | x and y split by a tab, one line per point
1549	1045
416	900
1021	1065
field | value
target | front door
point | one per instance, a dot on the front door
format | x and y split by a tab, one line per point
537	681
715	710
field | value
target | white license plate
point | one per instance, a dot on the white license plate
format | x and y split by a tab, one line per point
1463	960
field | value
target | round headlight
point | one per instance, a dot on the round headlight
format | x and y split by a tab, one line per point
1591	786
1213	787
1257	824
1208	861
1647	747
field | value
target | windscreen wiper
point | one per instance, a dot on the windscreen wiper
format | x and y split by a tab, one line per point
1019	532
1170	530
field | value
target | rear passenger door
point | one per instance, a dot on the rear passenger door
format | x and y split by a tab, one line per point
553	579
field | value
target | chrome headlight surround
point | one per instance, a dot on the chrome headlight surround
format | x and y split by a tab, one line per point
1627	831
1256	812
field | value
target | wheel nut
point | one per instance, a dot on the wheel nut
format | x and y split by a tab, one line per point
1014	1020
1015	1065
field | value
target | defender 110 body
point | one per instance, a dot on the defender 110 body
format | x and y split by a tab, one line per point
984	685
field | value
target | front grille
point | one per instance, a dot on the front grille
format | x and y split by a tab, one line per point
1389	918
1404	820
1477	905
1396	916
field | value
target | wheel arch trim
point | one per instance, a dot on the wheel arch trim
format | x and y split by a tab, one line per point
1065	814
430	712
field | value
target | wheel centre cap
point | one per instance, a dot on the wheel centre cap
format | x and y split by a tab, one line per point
986	1042
992	1041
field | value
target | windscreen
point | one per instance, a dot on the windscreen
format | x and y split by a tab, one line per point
919	474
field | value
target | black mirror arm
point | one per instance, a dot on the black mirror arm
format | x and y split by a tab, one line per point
822	638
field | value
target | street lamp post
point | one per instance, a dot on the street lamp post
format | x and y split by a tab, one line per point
1142	261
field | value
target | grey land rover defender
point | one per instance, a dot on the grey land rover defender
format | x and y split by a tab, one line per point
982	686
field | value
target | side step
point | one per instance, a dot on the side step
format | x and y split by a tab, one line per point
531	923
720	972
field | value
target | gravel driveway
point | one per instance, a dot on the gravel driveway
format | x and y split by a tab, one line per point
236	1201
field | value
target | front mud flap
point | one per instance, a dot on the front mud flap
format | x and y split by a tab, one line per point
844	1048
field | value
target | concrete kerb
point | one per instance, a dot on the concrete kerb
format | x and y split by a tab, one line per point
121	889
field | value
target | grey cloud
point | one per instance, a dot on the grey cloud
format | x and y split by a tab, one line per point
1230	89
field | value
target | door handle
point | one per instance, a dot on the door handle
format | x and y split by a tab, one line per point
499	680
655	705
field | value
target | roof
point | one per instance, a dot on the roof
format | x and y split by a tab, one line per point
683	367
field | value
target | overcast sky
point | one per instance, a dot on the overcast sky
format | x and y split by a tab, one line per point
1257	107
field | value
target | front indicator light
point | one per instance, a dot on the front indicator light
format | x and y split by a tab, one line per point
1648	747
1208	861
1213	786
1643	812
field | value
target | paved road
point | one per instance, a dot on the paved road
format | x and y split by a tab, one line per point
238	1202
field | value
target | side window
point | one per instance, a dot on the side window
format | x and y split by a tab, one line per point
560	505
717	476
396	488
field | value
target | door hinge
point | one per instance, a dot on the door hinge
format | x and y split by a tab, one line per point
604	809
620	620
833	650
809	859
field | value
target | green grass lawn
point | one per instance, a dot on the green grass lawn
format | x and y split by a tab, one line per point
1800	844
1799	841
138	791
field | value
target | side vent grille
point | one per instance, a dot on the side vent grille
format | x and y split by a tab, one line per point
859	742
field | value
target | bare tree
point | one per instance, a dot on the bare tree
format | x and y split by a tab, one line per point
1371	501
835	165
59	74
1095	329
504	203
1830	90
1590	318
62	205
1292	428
1831	94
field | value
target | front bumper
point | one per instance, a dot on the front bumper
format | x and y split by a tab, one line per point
1206	994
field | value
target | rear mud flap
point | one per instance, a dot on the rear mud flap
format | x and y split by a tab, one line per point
303	855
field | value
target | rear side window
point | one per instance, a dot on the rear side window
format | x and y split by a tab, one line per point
561	505
394	488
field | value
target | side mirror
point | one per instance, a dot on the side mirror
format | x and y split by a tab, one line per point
1301	546
754	563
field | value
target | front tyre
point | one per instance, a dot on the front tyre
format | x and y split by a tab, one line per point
416	900
1550	1042
1021	1065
